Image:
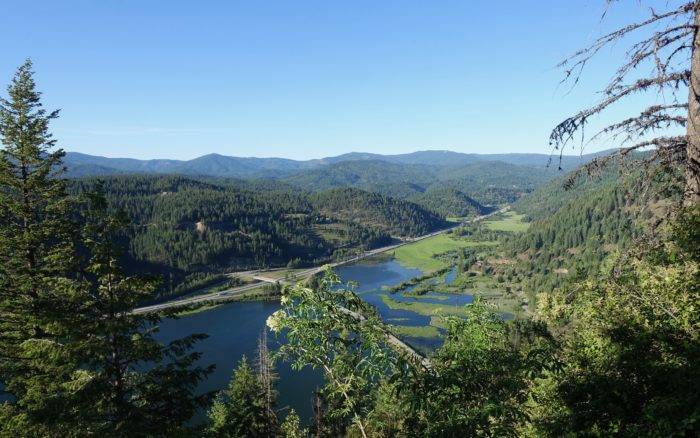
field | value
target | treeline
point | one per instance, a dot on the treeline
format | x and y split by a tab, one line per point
574	232
614	356
182	227
396	217
484	183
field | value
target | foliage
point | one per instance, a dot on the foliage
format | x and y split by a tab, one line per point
39	293
239	410
291	426
334	330
630	347
479	380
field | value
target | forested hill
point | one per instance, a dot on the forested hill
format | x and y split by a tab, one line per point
486	182
189	228
573	232
446	183
399	218
448	201
249	167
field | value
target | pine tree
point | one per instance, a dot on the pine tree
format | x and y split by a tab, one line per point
39	293
130	383
291	426
239	410
74	360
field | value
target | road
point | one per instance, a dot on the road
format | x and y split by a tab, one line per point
231	293
260	278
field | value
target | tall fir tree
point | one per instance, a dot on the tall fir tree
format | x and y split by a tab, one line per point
130	384
39	294
74	359
240	409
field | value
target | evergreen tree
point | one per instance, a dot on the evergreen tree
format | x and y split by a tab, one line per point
239	410
291	426
74	361
39	294
132	384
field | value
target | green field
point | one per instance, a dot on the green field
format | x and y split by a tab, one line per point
508	221
427	309
421	254
199	309
422	331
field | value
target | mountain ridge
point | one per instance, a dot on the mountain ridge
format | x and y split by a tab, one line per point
80	164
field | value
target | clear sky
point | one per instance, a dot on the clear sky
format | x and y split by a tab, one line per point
306	79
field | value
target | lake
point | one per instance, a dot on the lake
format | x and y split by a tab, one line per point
234	330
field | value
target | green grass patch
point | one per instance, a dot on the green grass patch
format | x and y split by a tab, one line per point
434	296
422	254
198	309
427	309
422	331
439	322
509	221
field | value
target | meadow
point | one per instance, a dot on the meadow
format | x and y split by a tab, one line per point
422	254
509	221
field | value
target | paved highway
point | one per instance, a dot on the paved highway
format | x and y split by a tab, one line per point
260	278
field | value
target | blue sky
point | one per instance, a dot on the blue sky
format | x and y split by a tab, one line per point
307	79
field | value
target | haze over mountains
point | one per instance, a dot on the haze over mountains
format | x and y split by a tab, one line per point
216	165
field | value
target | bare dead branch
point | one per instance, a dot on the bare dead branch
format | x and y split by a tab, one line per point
578	60
651	48
667	149
565	131
651	119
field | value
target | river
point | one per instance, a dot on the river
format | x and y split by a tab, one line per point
234	330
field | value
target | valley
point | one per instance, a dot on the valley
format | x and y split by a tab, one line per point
415	246
244	219
417	318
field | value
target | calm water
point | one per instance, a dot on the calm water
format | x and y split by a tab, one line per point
372	276
234	329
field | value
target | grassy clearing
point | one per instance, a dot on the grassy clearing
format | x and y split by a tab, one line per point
422	254
427	309
509	221
422	331
280	274
199	309
434	296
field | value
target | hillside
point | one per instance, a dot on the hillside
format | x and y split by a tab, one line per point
487	182
396	217
186	227
573	232
449	202
80	164
390	179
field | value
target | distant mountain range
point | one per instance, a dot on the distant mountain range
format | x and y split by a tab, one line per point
216	165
